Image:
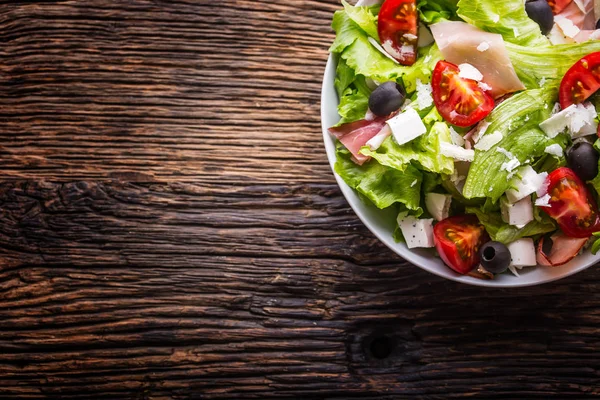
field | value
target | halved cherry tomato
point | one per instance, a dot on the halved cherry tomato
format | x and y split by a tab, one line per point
581	81
571	204
458	239
397	26
460	101
558	5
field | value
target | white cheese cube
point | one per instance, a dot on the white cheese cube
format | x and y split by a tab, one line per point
438	205
580	119
456	152
525	183
517	214
567	26
488	141
406	126
457	139
417	232
558	122
522	253
424	98
583	121
554	149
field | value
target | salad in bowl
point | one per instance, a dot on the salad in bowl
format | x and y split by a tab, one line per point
472	127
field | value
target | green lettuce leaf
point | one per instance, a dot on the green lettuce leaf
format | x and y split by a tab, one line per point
382	185
424	150
596	181
517	119
344	77
432	11
506	17
504	233
364	17
545	66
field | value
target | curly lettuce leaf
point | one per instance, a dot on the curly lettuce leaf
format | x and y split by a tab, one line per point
545	66
432	11
382	185
506	17
517	119
502	232
364	17
424	151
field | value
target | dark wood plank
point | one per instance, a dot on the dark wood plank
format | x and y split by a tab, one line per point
170	228
162	90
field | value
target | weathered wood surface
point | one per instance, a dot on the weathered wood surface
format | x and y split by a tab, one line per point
170	228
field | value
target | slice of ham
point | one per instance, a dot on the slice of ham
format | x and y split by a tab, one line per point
355	135
563	250
458	42
584	20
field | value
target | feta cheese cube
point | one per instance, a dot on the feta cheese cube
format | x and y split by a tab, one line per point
456	152
488	141
525	183
517	214
457	139
580	119
424	98
522	253
438	205
543	201
467	71
407	126
416	232
554	149
567	26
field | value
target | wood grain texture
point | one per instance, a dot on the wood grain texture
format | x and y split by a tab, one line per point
170	227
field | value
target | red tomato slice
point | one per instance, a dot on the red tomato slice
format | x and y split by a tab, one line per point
558	5
581	81
398	26
571	204
460	101
458	239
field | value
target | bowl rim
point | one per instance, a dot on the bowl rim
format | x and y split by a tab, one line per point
569	269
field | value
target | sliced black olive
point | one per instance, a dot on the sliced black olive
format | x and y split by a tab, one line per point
495	257
540	12
582	158
387	98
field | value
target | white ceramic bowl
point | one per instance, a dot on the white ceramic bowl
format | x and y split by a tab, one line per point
382	223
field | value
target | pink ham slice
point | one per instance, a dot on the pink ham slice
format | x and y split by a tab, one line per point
458	42
355	135
584	20
563	250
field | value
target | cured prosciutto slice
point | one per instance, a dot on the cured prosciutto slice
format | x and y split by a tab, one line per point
562	250
462	43
355	135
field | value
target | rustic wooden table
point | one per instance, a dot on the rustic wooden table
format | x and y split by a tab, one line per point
170	227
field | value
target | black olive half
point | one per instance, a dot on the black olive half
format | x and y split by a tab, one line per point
540	12
495	257
387	98
582	158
